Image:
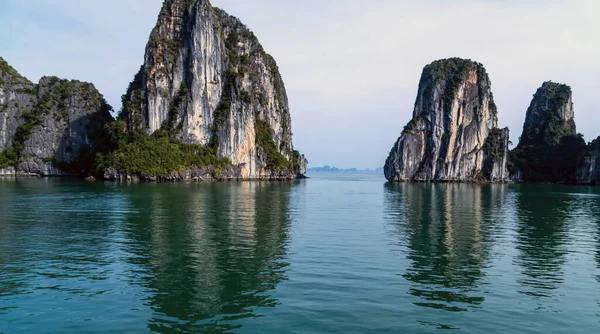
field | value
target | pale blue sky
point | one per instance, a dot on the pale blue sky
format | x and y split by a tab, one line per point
351	67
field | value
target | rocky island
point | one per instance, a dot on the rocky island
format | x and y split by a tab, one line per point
550	149
453	135
207	103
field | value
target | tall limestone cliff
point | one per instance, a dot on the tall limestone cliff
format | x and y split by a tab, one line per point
47	128
207	81
453	135
549	148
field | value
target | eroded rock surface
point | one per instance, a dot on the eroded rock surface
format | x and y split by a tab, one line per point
207	80
46	128
453	135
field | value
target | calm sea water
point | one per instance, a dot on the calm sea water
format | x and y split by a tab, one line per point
337	254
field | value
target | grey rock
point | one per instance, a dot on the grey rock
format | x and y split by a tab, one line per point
448	138
208	173
496	156
8	171
206	77
73	114
301	164
16	97
61	119
112	174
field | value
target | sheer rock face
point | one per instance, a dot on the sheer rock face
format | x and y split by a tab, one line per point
453	134
207	79
47	126
15	98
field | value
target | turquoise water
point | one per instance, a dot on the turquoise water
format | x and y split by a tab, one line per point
338	254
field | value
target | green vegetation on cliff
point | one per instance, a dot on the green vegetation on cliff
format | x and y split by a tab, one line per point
5	68
53	98
133	151
545	123
275	160
8	71
158	154
495	144
410	127
177	86
8	158
545	163
452	72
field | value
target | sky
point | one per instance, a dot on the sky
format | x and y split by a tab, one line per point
350	67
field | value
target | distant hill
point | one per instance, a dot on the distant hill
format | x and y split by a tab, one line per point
330	169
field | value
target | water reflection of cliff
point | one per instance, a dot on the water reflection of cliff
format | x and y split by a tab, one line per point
446	230
210	253
542	234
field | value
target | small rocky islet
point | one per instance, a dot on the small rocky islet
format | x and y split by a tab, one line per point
454	135
209	103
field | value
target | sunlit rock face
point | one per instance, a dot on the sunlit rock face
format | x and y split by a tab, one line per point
207	79
453	135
